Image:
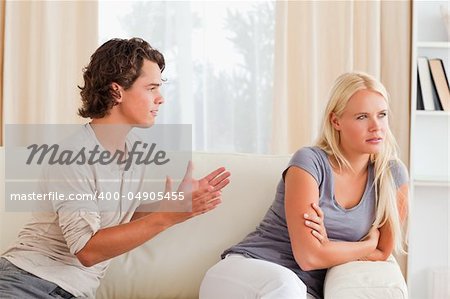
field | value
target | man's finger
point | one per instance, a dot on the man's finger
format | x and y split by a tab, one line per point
189	169
221	185
218	179
168	187
213	174
188	174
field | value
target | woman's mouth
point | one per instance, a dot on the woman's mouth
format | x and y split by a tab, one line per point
376	140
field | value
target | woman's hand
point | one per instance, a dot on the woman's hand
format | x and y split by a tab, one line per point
373	237
315	222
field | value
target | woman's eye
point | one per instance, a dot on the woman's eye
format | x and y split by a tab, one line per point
361	117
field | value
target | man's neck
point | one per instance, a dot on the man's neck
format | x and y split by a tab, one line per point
110	135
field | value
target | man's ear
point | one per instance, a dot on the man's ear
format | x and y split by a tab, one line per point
117	92
335	121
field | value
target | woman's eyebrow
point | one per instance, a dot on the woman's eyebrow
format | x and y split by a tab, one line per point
359	113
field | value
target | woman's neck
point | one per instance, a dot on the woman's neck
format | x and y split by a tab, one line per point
358	163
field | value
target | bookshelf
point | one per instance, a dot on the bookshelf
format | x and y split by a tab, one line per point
431	113
433	45
429	242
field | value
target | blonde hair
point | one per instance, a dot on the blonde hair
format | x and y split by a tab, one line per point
344	88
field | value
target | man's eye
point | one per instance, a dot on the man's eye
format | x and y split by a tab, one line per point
383	114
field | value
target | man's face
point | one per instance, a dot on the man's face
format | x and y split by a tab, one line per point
140	103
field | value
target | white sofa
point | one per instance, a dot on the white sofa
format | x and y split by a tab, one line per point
172	265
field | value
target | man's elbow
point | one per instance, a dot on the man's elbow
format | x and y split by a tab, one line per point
85	258
385	255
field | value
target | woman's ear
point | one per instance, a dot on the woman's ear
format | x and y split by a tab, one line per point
335	121
117	92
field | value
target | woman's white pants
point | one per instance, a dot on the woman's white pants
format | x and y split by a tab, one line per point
239	277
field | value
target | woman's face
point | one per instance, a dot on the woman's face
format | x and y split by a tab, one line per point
363	123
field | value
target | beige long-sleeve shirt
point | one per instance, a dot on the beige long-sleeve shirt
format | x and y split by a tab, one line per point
47	245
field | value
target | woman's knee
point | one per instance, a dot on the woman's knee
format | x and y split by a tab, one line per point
241	277
281	282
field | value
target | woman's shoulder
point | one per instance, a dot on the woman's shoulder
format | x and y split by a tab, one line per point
312	159
399	172
311	153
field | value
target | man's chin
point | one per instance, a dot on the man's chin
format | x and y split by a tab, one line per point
144	125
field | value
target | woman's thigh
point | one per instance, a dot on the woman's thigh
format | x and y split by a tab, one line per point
239	277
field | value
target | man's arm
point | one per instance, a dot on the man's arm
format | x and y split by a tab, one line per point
203	195
113	241
300	193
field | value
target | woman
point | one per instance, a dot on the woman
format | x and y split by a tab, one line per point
340	201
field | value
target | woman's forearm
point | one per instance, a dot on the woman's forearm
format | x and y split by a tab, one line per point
334	253
376	255
385	245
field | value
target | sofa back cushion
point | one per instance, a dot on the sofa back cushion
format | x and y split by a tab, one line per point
172	264
11	222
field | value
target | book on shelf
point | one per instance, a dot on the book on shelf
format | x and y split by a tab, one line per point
440	82
419	103
428	93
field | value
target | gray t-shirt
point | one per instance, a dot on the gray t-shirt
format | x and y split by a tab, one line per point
270	241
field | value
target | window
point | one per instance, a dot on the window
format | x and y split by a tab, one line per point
219	65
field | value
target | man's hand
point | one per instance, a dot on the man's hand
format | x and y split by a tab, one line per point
216	179
201	195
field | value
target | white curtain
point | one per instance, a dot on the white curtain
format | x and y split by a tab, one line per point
219	65
318	40
220	62
46	45
2	46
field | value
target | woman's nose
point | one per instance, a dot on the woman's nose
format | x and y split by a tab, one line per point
374	124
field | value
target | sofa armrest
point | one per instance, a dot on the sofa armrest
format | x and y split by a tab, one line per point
363	279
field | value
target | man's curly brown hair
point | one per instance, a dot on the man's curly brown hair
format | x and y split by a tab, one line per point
119	61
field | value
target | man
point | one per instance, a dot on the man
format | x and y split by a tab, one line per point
65	252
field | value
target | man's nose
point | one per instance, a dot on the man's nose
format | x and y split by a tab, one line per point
159	99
